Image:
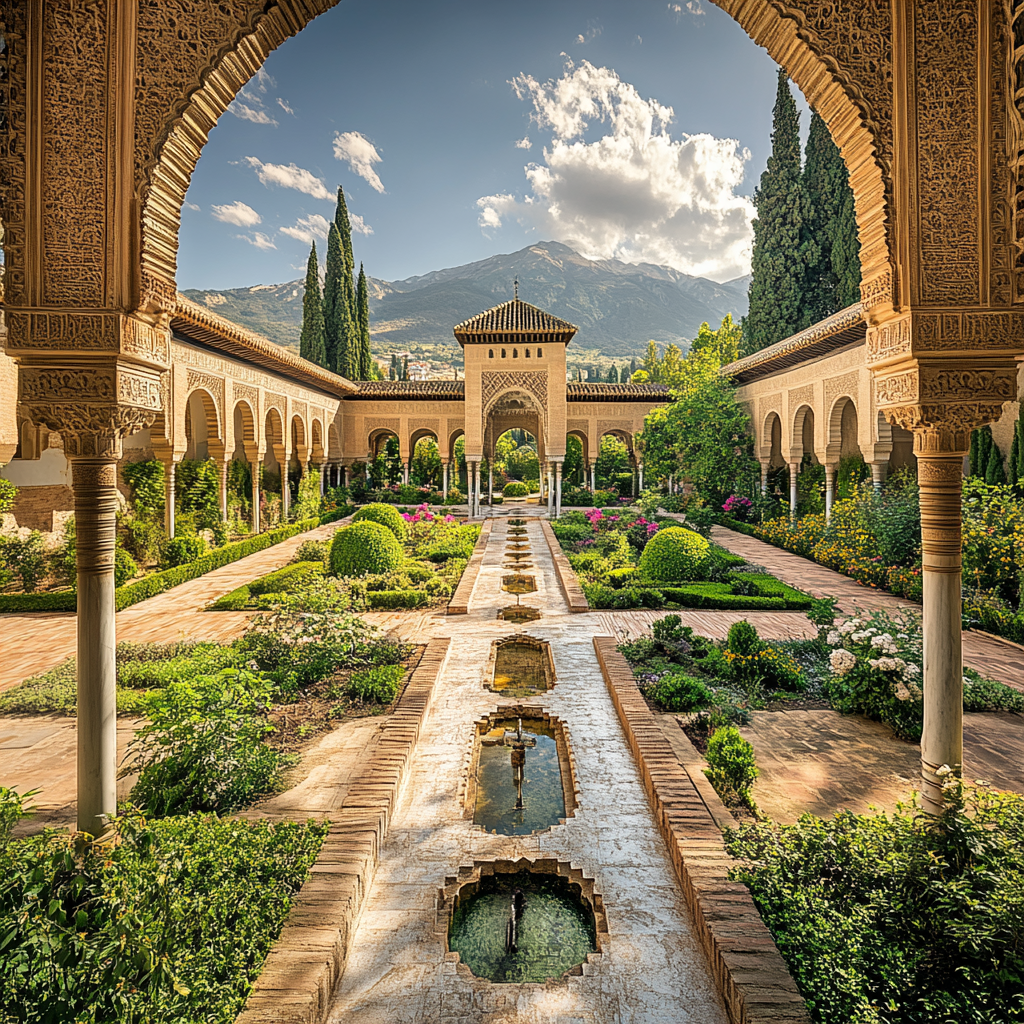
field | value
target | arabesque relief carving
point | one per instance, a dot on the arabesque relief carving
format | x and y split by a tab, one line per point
534	382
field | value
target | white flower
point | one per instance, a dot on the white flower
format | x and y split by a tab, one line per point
967	681
912	670
915	691
873	662
834	638
859	636
902	693
882	640
900	665
848	627
886	664
842	661
943	771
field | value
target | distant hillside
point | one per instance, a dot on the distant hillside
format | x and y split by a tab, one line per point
617	306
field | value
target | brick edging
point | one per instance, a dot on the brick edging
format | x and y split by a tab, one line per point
459	603
749	971
298	978
571	590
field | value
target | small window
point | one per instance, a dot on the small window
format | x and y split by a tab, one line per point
502	353
539	356
490	353
527	351
515	353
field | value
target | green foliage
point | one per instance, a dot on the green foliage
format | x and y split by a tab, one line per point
387	599
896	918
125	567
182	549
673	554
202	747
743	638
142	539
377	685
146	480
8	492
312	343
723	344
273	585
515	489
25	558
731	767
197	484
336	312
364	547
677	692
366	362
995	474
168	924
312	551
307	500
386	515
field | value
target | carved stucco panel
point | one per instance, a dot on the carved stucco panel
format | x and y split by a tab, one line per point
845	384
208	382
494	383
801	396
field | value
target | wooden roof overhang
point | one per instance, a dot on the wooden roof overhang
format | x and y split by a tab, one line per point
844	329
582	391
409	391
191	322
512	322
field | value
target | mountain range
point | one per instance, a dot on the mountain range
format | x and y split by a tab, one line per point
617	306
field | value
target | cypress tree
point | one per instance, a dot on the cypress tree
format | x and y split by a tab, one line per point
1013	463
845	242
819	296
363	326
335	313
994	472
1020	446
780	243
405	369
972	455
613	375
311	340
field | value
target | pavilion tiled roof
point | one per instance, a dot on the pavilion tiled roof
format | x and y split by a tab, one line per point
847	327
583	391
413	390
514	317
196	323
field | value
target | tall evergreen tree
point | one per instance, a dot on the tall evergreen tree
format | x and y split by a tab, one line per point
994	471
613	375
335	311
311	340
777	263
348	344
363	326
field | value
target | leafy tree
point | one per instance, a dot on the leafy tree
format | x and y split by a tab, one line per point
311	340
652	363
363	327
612	460
780	243
146	480
573	467
724	343
426	462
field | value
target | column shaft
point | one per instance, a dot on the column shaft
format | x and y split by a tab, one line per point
878	474
95	486
940	478
830	488
254	469
444	480
794	473
558	489
490	483
224	491
170	495
765	466
593	477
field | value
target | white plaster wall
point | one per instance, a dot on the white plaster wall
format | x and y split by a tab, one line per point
50	469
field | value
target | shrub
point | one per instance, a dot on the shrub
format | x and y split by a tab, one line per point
385	515
515	489
396	599
579	497
365	547
202	748
183	549
146	480
25	557
125	567
621	577
743	638
288	578
674	554
143	540
377	685
7	495
677	692
312	551
731	768
197	483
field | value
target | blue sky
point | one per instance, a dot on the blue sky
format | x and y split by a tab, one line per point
634	130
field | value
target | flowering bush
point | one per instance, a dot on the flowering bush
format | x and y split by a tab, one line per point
738	507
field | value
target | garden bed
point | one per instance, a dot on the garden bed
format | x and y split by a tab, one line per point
623	560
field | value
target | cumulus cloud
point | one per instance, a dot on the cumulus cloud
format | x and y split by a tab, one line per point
524	143
192	206
289	176
258	239
634	192
359	225
306	229
360	154
247	113
236	213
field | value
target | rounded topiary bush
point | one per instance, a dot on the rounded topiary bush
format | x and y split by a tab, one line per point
674	554
183	549
516	489
386	515
365	547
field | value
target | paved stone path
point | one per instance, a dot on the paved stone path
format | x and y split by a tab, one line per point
652	969
992	657
33	642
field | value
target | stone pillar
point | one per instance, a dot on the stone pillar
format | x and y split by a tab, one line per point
476	488
765	466
640	474
633	468
347	470
878	474
170	494
558	489
444	480
405	472
549	485
224	490
593	477
794	473
830	488
95	486
940	476
254	469
490	483
286	492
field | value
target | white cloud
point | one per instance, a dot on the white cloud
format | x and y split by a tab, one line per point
524	143
236	213
284	106
289	176
360	154
247	113
594	29
260	240
635	193
692	7
359	225
263	79
306	229
192	206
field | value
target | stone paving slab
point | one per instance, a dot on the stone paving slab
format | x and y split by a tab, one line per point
33	642
991	656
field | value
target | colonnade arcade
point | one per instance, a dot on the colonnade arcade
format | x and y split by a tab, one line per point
107	108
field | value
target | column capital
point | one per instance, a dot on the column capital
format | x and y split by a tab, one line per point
944	429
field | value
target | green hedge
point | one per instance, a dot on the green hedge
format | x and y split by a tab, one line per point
280	581
387	599
698	596
150	586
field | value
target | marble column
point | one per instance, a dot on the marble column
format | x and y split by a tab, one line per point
170	496
405	472
550	487
558	489
593	477
254	469
878	475
794	473
940	476
640	474
765	466
830	488
444	480
95	486
224	490
286	490
348	475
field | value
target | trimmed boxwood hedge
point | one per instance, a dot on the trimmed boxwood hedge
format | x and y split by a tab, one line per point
150	586
674	553
386	515
515	489
366	547
386	599
280	581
